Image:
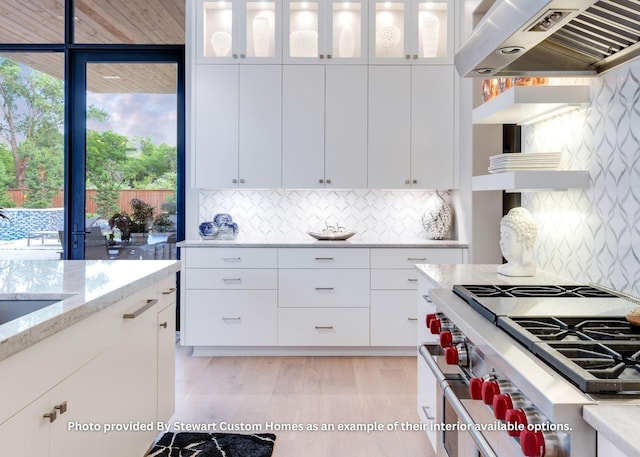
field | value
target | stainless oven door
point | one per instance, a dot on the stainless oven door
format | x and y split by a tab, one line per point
455	434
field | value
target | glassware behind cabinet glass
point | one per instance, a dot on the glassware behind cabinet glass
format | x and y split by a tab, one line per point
346	20
218	29
261	29
303	26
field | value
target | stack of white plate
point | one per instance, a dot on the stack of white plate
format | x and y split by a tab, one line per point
524	161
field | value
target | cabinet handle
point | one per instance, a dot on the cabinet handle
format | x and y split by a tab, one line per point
412	279
406	181
51	415
321	181
231	318
415	181
62	407
231	279
320	289
324	327
415	56
328	56
412	319
169	291
426	413
413	259
320	259
242	56
165	324
232	259
407	56
142	309
235	56
328	181
234	180
241	180
321	56
427	298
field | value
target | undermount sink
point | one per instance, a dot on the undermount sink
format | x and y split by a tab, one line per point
13	309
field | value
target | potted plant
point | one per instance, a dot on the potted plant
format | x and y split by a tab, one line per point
163	224
141	216
122	222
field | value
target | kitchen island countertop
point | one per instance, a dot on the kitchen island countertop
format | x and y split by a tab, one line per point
618	423
82	288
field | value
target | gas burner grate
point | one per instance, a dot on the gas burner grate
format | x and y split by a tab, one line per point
595	367
520	291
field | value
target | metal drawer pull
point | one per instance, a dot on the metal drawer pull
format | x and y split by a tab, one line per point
232	259
231	318
232	279
426	413
141	310
324	288
164	324
416	258
62	407
412	279
412	318
323	258
169	292
52	415
324	327
427	298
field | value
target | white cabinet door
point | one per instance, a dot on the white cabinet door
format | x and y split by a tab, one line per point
260	113
432	126
27	432
393	318
166	362
345	160
323	288
303	126
216	126
389	127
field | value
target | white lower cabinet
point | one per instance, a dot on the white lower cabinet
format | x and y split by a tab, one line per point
231	317
427	399
76	407
305	296
323	326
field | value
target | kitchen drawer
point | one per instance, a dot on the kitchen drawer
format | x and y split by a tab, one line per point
231	318
323	327
407	257
241	278
231	257
393	318
323	288
323	258
394	279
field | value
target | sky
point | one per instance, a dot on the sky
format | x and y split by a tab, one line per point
138	115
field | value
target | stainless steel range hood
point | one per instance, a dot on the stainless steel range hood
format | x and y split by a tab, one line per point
552	38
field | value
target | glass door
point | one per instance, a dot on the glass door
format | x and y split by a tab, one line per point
130	144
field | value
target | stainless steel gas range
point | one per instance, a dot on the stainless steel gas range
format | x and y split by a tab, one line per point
516	364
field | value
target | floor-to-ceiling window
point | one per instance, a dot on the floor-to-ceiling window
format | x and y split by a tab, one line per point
91	128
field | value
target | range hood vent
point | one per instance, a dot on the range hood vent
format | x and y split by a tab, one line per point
552	38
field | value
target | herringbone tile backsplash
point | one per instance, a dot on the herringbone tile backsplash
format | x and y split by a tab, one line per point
593	235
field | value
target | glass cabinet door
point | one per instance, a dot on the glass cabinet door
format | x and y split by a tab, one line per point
239	31
346	31
388	30
431	37
305	22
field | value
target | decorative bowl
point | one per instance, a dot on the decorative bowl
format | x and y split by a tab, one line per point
332	236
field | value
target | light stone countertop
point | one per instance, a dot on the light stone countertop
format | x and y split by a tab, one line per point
304	241
84	287
618	423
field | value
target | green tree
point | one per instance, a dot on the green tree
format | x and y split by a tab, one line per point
106	155
44	176
32	115
151	164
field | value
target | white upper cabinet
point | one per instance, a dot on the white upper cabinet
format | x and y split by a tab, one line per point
239	31
417	32
326	31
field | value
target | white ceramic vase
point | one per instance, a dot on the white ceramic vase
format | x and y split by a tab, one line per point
261	36
347	42
437	218
388	36
430	35
304	43
221	43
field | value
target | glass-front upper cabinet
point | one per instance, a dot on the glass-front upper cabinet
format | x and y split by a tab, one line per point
239	31
328	31
413	31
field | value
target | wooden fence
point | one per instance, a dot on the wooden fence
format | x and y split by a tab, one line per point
154	198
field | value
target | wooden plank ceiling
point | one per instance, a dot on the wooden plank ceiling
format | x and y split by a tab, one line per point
101	22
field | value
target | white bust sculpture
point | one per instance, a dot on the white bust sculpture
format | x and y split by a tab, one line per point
518	231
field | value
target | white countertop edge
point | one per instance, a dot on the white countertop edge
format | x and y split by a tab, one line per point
311	243
14	337
618	423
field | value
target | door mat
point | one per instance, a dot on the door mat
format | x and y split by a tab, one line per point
185	444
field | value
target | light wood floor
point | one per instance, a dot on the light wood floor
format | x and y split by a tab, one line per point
330	391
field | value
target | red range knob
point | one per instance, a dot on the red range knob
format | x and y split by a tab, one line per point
435	326
446	339
430	317
532	443
475	388
501	404
451	356
489	390
516	421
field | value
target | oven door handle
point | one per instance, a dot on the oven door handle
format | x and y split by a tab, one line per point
431	363
464	417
